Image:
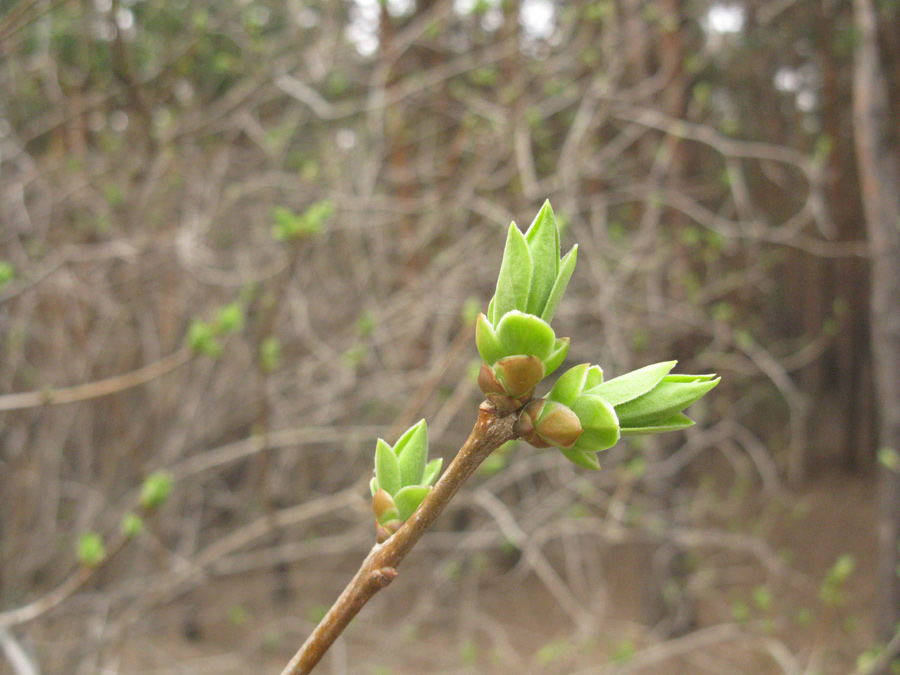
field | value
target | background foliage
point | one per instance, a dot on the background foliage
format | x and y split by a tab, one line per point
278	221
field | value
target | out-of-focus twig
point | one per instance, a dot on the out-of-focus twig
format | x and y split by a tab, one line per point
16	656
82	392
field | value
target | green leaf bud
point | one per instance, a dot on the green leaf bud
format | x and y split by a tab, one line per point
156	489
384	507
532	277
132	525
518	354
521	333
557	356
91	549
574	381
546	423
202	339
403	477
601	426
571	419
231	318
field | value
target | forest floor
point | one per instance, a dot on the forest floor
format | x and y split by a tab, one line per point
489	617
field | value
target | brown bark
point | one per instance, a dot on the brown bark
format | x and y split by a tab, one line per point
878	158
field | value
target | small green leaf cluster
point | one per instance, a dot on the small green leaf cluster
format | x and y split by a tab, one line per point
155	490
91	549
833	587
287	225
132	525
582	414
7	273
514	338
403	478
204	337
270	354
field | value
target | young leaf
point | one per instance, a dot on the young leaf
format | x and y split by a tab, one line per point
514	280
601	426
387	468
569	385
432	469
522	333
557	356
681	377
676	422
663	401
594	377
566	267
489	347
582	458
412	453
409	498
543	240
627	387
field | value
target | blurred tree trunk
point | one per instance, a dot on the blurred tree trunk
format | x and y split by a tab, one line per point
878	156
845	371
670	613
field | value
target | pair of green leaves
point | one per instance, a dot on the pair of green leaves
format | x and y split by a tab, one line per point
532	277
649	400
645	401
403	475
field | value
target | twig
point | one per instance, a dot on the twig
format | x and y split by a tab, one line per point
16	655
379	567
61	593
81	392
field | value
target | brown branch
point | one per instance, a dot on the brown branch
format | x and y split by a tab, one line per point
63	592
379	567
81	392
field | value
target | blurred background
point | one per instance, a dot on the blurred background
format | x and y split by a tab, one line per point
240	240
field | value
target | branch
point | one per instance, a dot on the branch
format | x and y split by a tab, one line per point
379	567
112	385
